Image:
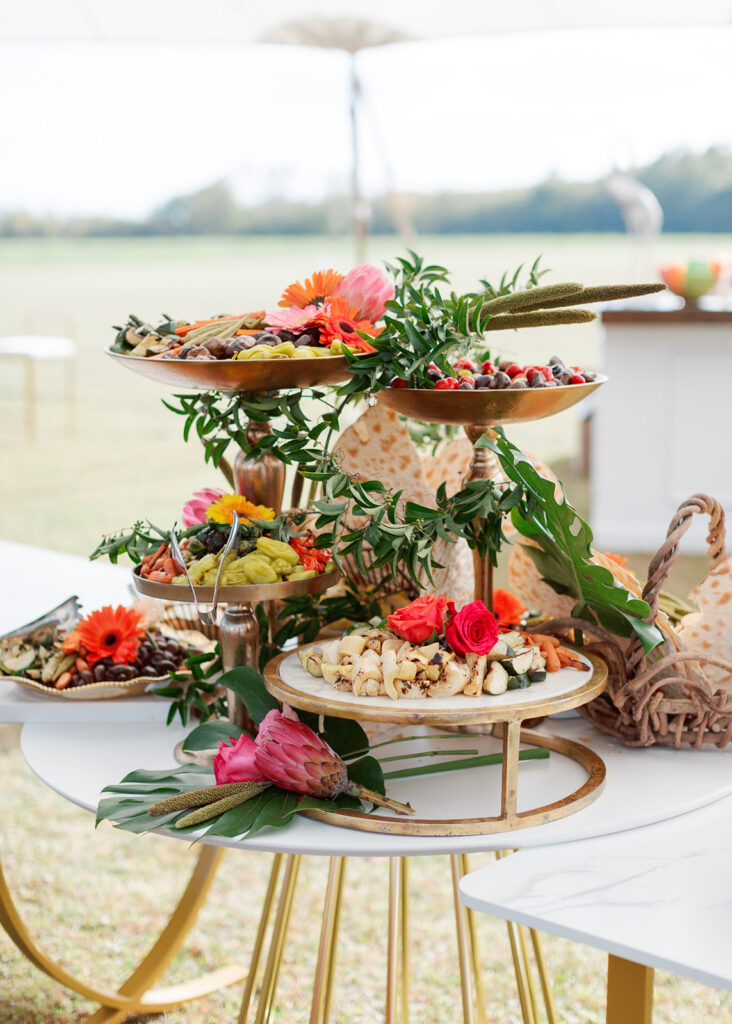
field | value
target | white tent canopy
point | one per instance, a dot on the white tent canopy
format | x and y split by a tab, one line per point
251	21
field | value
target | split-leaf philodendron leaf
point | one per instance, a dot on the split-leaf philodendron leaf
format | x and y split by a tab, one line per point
561	550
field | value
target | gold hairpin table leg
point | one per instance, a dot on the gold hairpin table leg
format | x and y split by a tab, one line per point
268	989
629	992
136	994
325	966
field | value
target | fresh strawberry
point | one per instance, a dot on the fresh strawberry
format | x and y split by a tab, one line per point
514	370
464	364
446	384
488	367
546	371
397	382
577	378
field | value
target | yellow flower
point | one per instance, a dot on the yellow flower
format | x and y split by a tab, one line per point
222	511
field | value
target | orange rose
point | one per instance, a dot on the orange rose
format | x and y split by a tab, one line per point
422	619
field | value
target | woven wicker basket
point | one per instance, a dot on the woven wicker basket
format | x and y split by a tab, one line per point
663	697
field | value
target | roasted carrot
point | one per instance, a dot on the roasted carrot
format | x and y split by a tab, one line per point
543	637
154	556
569	659
168	352
182	331
243	330
553	663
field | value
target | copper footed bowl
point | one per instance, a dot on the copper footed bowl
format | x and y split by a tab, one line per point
486	406
237	375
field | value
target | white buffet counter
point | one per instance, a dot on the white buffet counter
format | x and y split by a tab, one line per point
662	425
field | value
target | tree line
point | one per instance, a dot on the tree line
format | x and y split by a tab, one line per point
694	190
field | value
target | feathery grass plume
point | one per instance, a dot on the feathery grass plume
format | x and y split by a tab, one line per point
213	810
601	293
540	318
199	798
533	297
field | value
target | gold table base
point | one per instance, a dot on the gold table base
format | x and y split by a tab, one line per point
137	995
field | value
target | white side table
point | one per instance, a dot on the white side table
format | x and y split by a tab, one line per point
658	896
37	348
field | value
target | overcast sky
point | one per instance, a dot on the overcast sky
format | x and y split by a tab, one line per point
118	128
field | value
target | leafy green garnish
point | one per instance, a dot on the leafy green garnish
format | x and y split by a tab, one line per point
563	554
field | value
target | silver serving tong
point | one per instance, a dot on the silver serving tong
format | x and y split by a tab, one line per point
206	618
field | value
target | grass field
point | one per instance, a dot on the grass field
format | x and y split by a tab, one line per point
96	904
127	458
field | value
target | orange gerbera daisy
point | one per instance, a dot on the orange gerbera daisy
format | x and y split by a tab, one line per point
316	289
507	607
113	633
338	322
223	510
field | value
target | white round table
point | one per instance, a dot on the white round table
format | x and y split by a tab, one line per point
642	787
673	782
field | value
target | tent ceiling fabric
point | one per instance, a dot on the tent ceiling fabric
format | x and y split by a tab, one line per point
243	21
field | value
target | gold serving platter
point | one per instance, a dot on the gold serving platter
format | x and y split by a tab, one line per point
299	690
237	375
92	691
64	616
485	406
250	594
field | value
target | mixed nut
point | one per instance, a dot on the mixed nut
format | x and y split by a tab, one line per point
469	375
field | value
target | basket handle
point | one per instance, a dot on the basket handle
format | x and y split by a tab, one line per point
663	561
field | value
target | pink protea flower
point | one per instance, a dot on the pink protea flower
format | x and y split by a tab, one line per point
291	319
292	756
368	290
236	763
194	510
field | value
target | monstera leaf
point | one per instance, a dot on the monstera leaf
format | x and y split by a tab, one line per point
561	551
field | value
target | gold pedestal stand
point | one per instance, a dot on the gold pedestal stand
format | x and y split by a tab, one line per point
238	629
478	412
505	721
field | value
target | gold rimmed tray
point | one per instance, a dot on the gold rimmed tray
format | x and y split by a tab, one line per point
92	691
250	594
485	406
237	375
64	616
285	680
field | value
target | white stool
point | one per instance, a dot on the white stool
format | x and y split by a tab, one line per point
32	348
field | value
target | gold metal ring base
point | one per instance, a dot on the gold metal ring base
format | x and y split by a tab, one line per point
509	818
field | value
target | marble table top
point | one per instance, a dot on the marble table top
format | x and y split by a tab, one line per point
660	895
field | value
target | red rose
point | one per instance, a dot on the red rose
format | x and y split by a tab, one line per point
474	630
421	619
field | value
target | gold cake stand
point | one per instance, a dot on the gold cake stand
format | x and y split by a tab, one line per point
505	719
478	412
